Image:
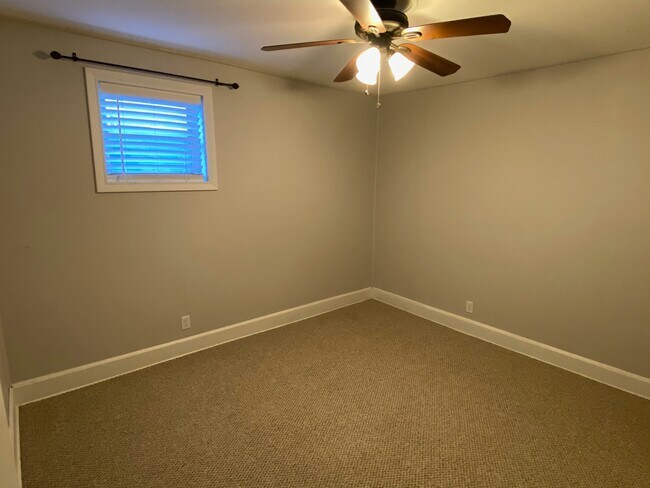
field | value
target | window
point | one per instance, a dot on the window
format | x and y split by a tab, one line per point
150	134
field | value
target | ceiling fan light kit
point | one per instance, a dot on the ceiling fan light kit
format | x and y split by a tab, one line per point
399	65
382	23
369	64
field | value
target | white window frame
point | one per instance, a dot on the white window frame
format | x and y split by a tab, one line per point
139	183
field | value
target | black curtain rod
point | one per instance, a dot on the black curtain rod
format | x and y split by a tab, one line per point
74	57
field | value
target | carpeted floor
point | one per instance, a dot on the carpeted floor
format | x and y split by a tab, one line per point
363	396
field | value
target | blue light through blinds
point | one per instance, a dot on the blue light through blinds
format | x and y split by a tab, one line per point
148	136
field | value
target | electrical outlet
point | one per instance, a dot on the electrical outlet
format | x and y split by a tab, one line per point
185	322
469	306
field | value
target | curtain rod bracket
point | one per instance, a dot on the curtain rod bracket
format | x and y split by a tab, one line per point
57	55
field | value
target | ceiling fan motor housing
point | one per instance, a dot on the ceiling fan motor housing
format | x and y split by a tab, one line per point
401	5
393	17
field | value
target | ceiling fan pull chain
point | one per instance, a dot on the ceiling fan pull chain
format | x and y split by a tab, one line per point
378	105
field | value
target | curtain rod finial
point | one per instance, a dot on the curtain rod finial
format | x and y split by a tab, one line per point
55	55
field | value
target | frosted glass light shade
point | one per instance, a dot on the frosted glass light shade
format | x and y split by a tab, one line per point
368	64
399	65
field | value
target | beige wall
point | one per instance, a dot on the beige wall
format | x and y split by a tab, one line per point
527	194
88	276
530	195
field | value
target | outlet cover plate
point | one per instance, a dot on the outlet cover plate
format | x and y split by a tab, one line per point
185	322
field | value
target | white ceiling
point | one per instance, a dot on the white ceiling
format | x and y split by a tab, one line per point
543	33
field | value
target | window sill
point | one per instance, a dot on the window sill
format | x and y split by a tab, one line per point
153	186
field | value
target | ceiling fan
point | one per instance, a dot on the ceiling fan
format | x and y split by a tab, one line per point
383	22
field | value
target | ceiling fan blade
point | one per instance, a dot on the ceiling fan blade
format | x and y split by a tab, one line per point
280	47
366	14
428	60
491	24
349	71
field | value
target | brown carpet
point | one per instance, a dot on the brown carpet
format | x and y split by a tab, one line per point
363	396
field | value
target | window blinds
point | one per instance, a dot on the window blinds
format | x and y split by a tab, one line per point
152	132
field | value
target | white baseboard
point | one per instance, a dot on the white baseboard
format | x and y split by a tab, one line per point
618	378
56	383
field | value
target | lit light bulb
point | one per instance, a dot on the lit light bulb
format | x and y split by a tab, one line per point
368	64
399	65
